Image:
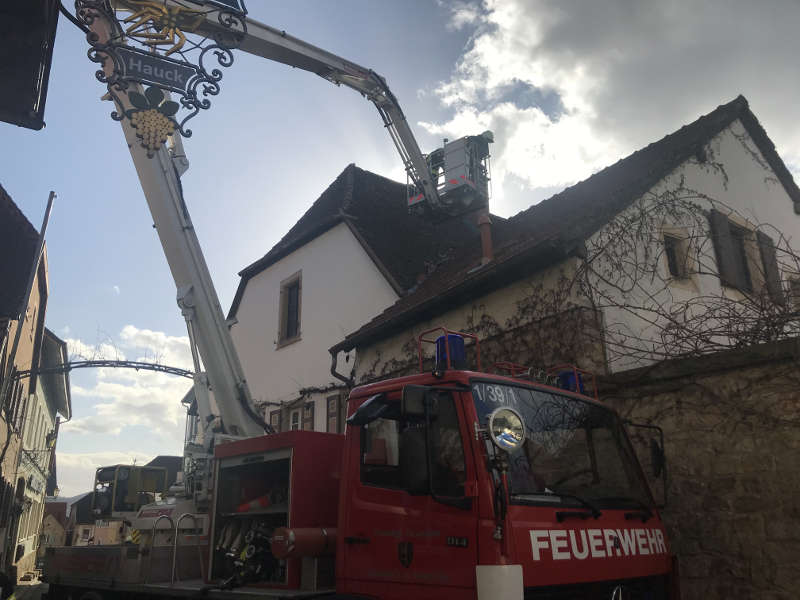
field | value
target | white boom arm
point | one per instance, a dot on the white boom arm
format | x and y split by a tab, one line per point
196	294
266	42
235	414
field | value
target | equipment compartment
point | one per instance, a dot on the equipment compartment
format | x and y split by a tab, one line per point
288	479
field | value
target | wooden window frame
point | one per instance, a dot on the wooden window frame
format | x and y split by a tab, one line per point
284	339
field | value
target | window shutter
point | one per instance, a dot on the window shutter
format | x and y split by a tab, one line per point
730	272
275	420
772	275
332	403
308	417
343	410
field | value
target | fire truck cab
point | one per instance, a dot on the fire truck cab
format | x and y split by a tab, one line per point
454	483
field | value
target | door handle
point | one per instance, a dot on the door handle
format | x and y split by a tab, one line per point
351	539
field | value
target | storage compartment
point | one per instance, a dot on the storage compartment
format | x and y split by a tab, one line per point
289	479
253	501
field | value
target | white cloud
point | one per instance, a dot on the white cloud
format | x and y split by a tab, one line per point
76	471
569	87
116	290
462	12
127	398
106	349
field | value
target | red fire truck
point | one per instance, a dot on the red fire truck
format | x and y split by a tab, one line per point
451	483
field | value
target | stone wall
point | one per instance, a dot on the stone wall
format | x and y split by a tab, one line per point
732	438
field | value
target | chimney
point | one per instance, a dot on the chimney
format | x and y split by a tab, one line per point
485	225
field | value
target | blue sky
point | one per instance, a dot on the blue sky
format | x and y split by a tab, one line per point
568	87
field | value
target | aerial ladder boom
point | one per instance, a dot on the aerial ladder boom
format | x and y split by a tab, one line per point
267	42
231	411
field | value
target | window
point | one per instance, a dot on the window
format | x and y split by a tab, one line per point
308	417
675	251
275	419
337	413
295	420
289	330
390	444
746	260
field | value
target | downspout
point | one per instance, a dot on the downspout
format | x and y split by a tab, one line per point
334	360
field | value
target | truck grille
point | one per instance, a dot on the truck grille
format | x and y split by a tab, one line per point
644	588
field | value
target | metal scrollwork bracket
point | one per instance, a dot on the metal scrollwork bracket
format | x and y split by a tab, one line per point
173	48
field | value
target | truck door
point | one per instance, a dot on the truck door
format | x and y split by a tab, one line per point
408	536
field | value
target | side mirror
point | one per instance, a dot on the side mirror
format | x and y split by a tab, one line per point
506	428
657	459
372	409
648	444
415	399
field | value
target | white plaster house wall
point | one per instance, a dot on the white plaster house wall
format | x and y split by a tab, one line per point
341	289
745	186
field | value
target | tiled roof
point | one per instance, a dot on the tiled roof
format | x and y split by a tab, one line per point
549	231
375	209
18	241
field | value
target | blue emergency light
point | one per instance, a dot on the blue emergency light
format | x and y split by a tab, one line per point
571	380
458	352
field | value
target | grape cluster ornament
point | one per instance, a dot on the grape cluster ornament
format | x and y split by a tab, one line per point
152	119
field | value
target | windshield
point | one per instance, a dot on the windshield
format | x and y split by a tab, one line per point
571	447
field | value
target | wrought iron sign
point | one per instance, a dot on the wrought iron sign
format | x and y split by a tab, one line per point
167	46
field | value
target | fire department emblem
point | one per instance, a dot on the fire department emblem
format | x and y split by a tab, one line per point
405	553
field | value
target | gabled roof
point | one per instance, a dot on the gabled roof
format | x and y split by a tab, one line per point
375	209
18	241
551	230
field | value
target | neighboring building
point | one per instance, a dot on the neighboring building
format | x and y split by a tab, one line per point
50	399
18	243
680	249
80	521
352	254
54	524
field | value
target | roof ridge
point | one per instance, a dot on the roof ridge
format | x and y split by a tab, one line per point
739	103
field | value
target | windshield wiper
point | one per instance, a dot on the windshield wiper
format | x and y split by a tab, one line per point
644	513
595	512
